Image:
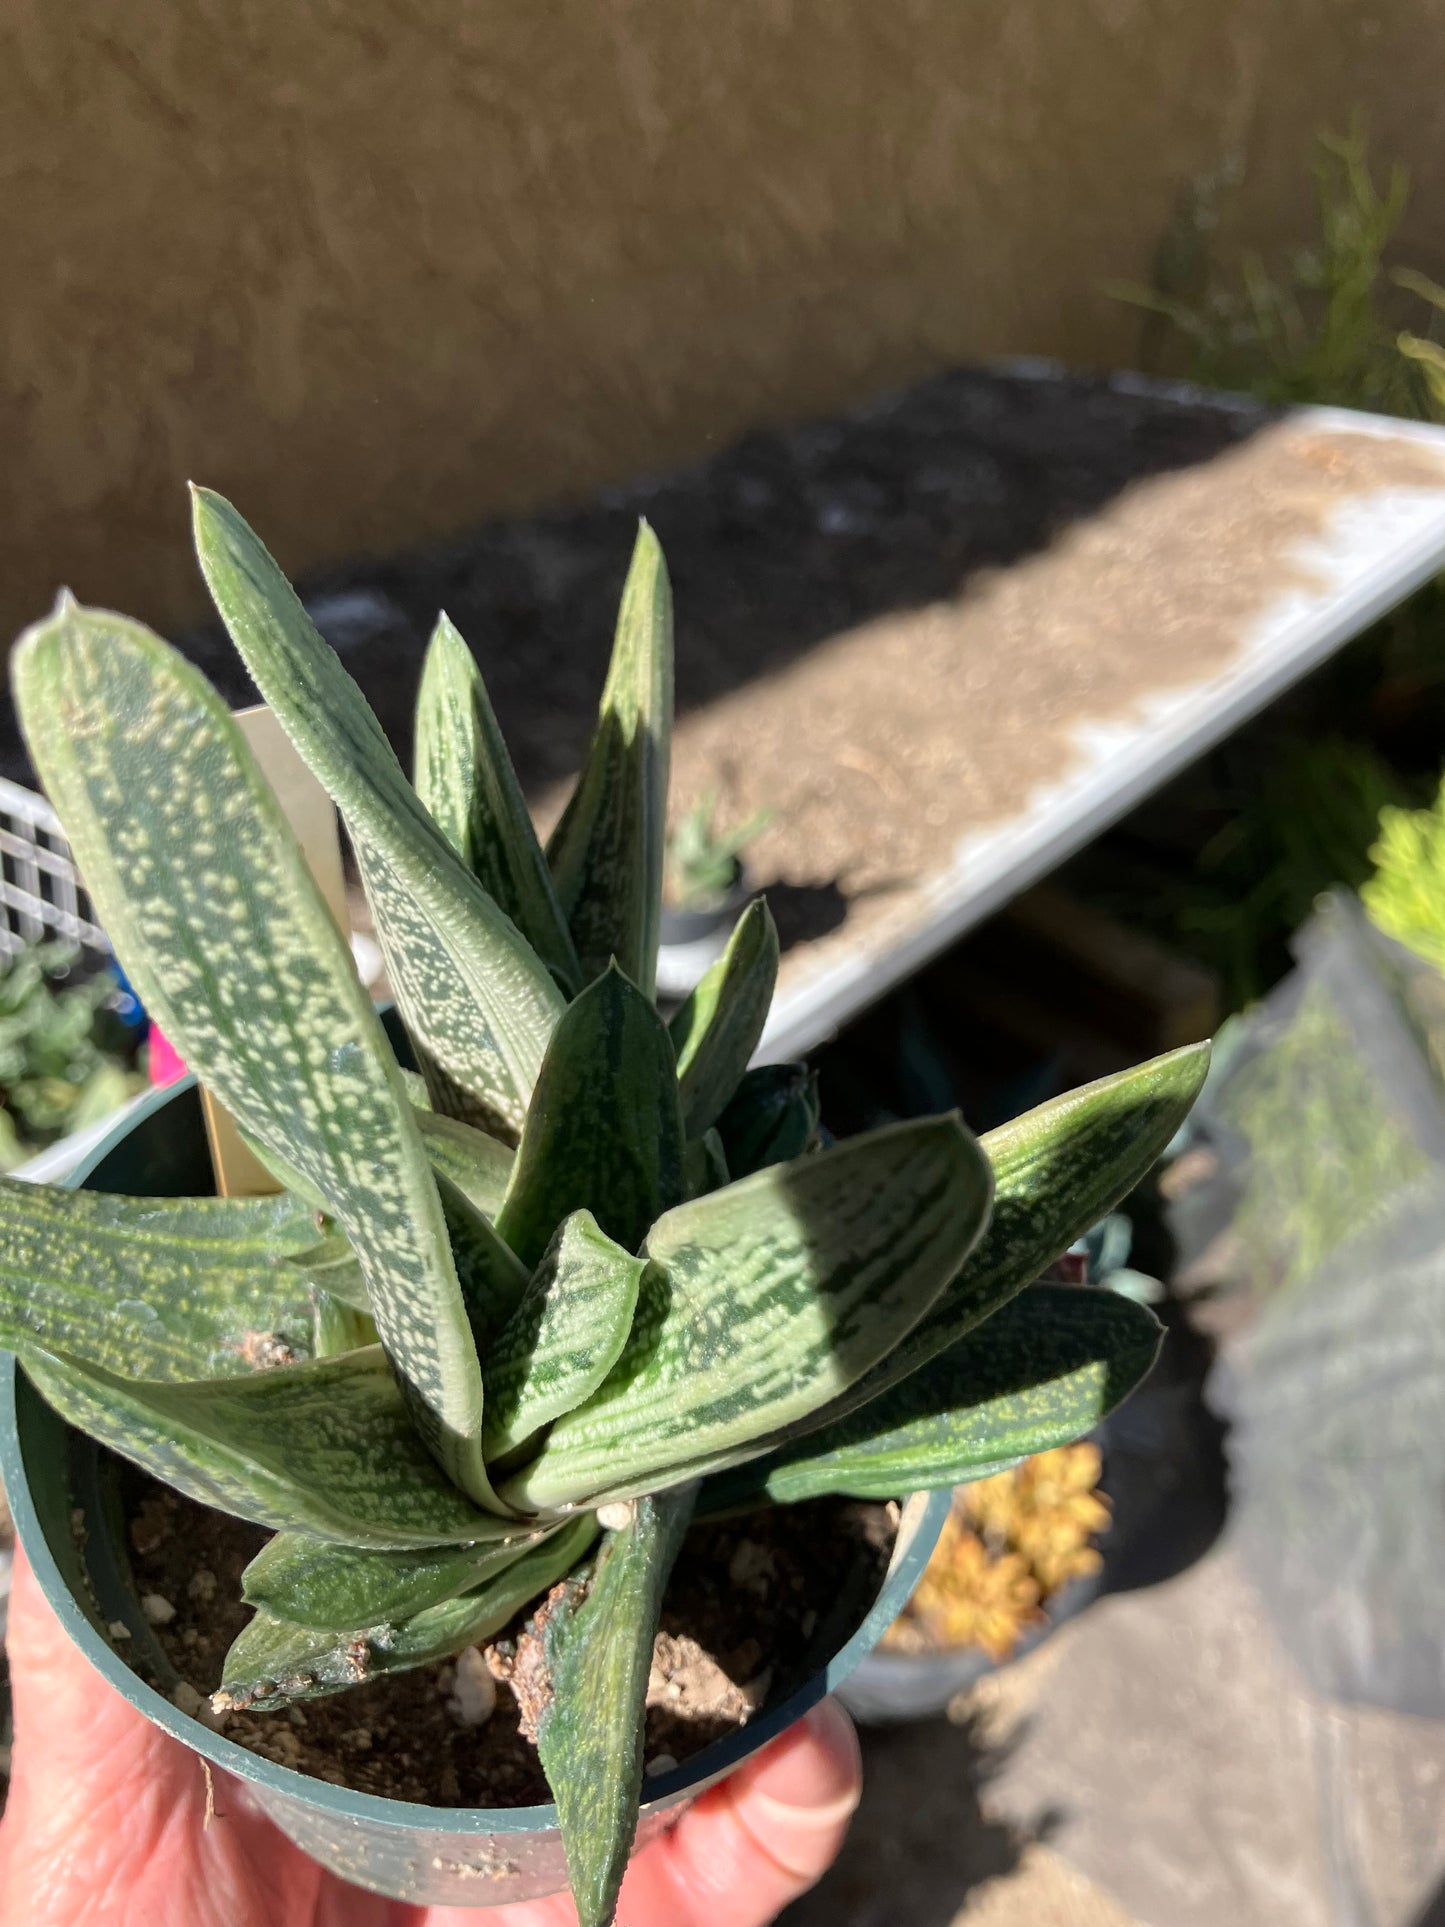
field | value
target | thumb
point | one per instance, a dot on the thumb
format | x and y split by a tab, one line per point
760	1839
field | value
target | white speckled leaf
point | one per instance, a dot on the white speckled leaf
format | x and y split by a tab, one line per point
475	996
598	1647
563	1338
274	1662
1040	1372
763	1301
202	888
168	1288
717	1030
606	854
465	777
326	1447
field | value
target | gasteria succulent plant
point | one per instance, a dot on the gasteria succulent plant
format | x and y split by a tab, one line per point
591	1276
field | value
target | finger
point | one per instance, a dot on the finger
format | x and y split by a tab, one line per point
107	1817
760	1839
743	1852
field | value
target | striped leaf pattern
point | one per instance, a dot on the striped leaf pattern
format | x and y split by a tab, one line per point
763	1301
465	778
327	1447
1057	1170
167	1288
606	854
564	1337
475	997
1042	1371
717	1029
214	914
275	1663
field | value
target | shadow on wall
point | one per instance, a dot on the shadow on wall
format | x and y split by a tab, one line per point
784	541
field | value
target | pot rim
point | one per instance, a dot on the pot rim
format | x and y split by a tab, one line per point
923	1518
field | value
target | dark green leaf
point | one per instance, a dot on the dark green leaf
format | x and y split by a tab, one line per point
704	1165
338	1588
202	887
492	1277
465	777
606	854
324	1447
590	1736
564	1337
604	1133
473	993
274	1663
1040	1372
772	1118
717	1030
762	1302
169	1288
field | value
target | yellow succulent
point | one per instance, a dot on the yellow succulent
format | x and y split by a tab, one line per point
1009	1544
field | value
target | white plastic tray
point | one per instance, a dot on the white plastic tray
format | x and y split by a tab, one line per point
1374	551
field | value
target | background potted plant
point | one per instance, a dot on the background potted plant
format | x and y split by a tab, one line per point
510	1325
706	888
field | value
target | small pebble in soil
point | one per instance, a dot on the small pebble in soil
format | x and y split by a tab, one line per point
617	1517
473	1697
157	1609
118	1629
664	1763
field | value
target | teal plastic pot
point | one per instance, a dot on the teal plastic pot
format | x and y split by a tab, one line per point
476	1858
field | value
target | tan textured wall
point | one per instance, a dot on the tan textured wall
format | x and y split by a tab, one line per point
380	267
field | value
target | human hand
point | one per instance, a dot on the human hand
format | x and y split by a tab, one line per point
106	1824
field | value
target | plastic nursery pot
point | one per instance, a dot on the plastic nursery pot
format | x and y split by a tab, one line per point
69	1519
691	941
887	1688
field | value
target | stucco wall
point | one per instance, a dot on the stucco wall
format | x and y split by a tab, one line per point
380	267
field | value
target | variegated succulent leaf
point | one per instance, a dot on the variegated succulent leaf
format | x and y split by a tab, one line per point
716	1030
166	1288
476	998
325	1447
465	778
479	1166
1057	1170
606	853
564	1336
771	1118
204	892
275	1663
338	1588
604	1132
763	1301
1042	1371
598	1647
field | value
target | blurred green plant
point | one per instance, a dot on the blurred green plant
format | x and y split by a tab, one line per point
1325	324
703	861
1297	809
64	1054
1405	894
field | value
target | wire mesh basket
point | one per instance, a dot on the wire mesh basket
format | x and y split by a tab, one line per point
41	896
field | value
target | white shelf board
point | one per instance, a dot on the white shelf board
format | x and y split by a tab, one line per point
1374	550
